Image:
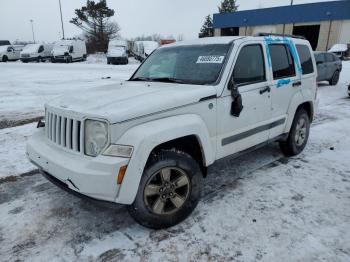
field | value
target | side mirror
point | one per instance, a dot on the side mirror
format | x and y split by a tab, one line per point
237	104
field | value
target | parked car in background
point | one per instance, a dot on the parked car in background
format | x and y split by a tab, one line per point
69	51
36	52
117	52
341	50
10	53
147	142
329	67
142	49
4	42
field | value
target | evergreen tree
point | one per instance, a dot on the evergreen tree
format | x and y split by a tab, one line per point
228	6
94	20
207	29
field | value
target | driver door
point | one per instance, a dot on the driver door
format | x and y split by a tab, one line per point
251	77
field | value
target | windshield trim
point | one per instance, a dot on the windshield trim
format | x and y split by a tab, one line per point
218	80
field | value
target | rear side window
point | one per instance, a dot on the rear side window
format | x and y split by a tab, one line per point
282	61
305	59
250	66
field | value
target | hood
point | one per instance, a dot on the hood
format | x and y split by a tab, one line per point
128	100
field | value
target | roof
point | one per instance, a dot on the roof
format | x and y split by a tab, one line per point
333	10
206	41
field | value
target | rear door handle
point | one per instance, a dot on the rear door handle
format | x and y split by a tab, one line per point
295	84
265	89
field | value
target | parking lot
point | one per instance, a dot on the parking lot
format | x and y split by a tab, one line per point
259	207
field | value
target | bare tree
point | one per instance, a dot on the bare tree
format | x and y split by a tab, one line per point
94	20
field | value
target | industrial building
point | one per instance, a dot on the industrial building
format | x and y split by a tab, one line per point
323	24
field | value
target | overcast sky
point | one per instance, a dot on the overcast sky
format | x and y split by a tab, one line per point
135	17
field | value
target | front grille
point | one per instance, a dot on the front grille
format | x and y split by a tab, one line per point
64	131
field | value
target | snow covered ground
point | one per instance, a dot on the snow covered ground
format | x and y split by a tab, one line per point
24	88
259	207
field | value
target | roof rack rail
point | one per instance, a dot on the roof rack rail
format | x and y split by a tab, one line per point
281	35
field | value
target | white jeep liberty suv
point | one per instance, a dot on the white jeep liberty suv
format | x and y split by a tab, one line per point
147	142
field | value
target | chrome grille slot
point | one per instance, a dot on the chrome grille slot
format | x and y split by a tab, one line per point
64	131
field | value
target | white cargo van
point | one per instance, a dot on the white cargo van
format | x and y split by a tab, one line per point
9	53
36	52
69	51
142	49
117	52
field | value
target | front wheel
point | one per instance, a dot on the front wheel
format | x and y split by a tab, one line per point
169	190
298	135
5	58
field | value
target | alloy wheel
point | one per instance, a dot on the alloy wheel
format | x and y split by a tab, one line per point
167	190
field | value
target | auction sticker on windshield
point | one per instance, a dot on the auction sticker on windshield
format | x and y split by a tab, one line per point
210	59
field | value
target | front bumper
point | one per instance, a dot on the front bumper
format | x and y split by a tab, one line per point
95	177
117	60
28	59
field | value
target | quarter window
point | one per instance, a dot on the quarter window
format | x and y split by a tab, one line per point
305	59
250	66
282	61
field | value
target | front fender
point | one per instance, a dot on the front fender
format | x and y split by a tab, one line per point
145	137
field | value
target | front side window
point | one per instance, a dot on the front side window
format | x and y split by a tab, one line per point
305	59
250	66
329	58
41	49
195	64
282	61
320	58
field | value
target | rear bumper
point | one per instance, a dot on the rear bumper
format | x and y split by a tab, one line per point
95	177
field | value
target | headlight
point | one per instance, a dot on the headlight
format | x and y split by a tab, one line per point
96	137
119	151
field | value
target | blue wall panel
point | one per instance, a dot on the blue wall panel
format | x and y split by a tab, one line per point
334	10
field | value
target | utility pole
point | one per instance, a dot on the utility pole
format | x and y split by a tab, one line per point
59	1
31	22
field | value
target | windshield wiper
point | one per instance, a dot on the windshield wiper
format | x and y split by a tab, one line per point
168	80
141	79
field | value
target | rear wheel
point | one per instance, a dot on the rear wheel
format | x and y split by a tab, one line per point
5	58
298	135
169	190
335	78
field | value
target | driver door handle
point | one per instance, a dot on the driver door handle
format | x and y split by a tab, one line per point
265	89
295	84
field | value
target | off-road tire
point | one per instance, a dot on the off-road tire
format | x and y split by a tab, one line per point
290	147
143	213
335	78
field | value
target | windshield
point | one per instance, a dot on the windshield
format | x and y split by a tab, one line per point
195	64
3	48
62	48
117	48
31	48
